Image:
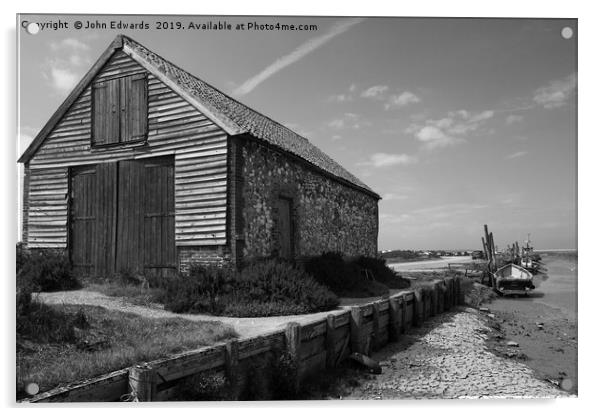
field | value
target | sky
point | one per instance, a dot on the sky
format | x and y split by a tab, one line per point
456	123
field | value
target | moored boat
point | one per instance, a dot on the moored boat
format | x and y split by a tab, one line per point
513	280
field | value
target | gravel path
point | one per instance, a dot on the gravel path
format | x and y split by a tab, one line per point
447	358
245	327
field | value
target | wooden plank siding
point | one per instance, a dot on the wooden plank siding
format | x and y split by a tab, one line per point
174	128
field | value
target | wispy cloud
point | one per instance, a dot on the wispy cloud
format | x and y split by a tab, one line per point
69	43
514	118
382	160
392	100
343	97
556	93
26	136
517	154
401	100
450	130
391	196
71	59
311	45
375	92
348	121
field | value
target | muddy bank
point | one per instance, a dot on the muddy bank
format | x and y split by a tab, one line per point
544	325
446	358
546	338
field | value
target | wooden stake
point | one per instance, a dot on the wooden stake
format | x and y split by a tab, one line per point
143	383
394	320
331	355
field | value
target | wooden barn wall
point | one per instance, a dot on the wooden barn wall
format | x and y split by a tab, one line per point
175	127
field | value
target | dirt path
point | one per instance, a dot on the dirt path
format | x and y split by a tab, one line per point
448	358
245	327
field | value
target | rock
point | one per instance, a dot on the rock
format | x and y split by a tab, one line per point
512	344
483	309
491	315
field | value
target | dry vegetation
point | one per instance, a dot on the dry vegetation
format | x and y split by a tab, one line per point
62	344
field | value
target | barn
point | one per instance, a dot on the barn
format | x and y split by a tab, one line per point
146	168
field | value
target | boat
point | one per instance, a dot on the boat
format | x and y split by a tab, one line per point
512	279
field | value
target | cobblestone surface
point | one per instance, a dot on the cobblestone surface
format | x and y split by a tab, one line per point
447	358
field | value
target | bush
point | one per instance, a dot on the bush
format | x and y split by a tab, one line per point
45	270
343	276
377	266
200	291
38	322
265	288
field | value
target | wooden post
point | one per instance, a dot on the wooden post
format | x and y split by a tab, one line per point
376	342
459	295
395	317
404	314
292	335
417	308
357	344
143	383
231	368
331	353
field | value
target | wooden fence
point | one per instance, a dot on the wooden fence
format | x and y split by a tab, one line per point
311	348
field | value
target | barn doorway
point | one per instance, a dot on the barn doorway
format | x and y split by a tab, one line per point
122	218
285	228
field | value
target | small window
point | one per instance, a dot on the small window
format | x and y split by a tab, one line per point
119	110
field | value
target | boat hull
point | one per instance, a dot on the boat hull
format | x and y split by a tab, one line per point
513	280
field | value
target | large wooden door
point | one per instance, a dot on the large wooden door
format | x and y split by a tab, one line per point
285	227
123	217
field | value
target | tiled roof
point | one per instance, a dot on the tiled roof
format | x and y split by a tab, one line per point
245	119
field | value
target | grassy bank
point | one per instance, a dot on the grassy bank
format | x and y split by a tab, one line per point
62	344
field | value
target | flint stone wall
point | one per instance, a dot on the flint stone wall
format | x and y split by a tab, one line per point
327	215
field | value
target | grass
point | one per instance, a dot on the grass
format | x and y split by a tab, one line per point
475	294
135	294
105	341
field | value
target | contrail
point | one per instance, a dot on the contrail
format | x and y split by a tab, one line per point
312	44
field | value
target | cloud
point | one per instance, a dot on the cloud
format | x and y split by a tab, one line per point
381	160
337	137
311	45
556	93
450	130
63	79
394	197
401	100
393	101
343	97
433	137
377	92
71	59
26	136
69	43
516	155
514	118
349	120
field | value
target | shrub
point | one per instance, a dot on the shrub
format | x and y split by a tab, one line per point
273	281
264	288
343	276
333	271
46	270
200	291
377	266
